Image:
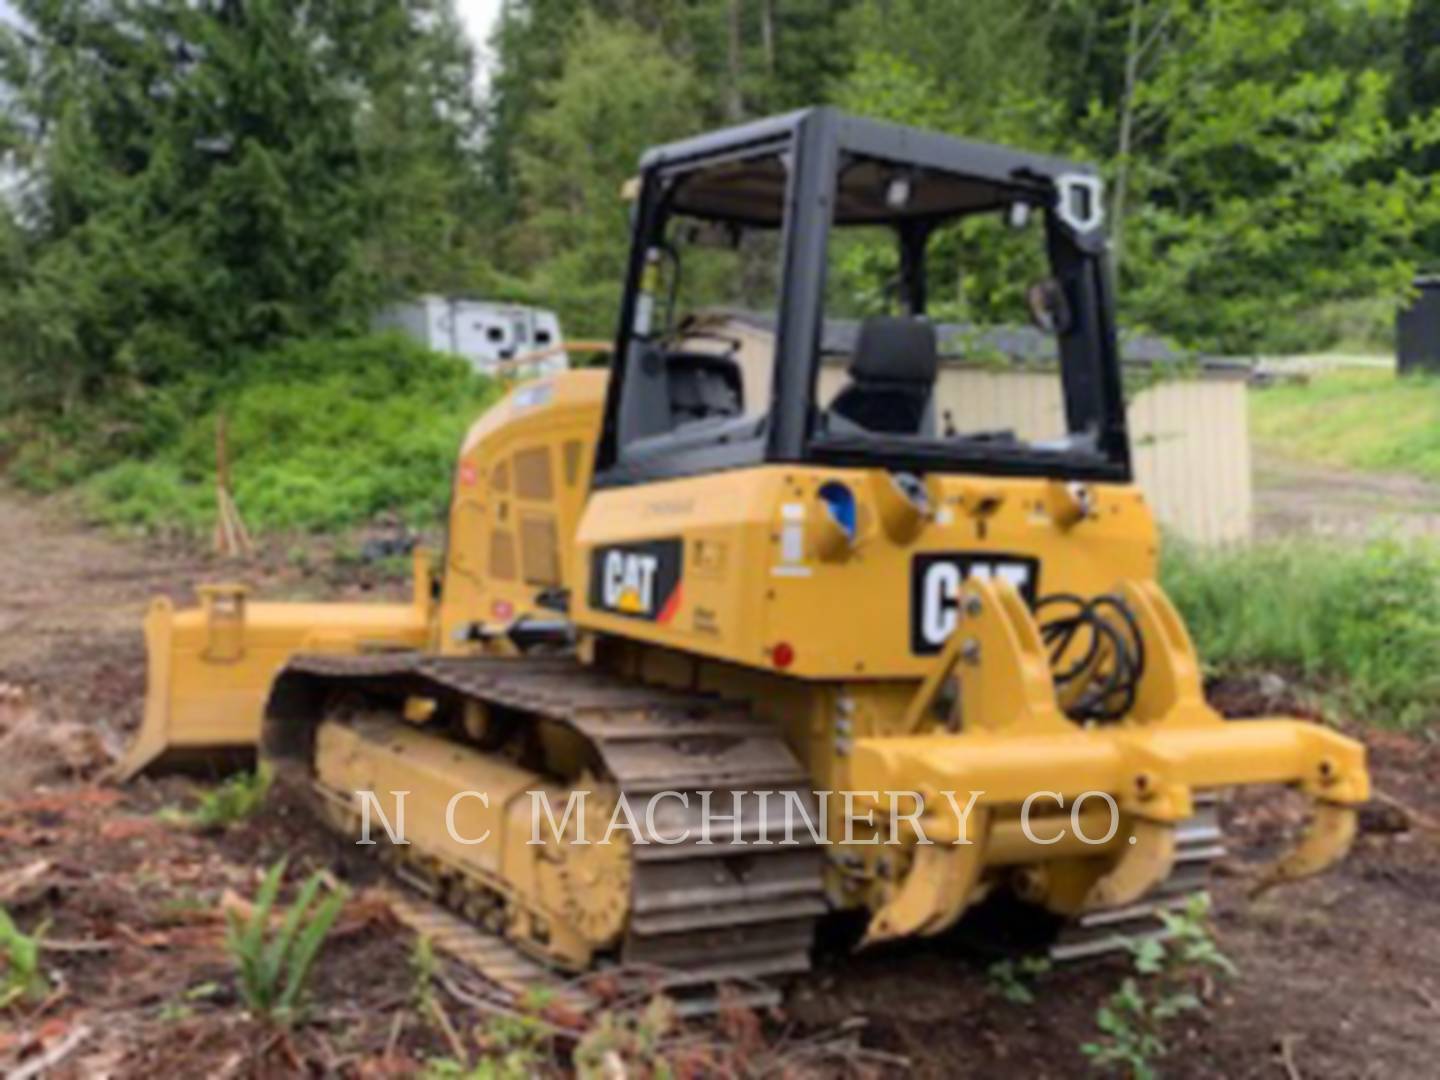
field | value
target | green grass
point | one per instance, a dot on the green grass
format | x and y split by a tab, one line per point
1360	623
321	434
1358	419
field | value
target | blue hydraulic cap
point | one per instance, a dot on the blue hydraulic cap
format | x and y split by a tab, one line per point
841	502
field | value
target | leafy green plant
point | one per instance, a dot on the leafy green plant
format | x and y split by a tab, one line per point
273	966
1167	974
513	1046
184	906
450	1069
21	978
1011	979
232	801
505	1067
633	1038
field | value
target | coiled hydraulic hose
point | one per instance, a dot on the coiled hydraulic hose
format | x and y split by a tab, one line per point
1096	654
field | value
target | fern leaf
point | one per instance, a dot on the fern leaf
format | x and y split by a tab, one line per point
274	957
312	937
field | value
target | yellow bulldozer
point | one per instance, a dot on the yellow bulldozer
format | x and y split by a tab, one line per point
731	635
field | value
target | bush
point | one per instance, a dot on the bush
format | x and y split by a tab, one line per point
1362	622
1363	326
320	434
153	495
42	460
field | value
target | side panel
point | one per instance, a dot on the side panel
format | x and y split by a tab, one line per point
520	485
682	563
752	587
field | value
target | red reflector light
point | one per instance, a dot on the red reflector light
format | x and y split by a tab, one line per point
782	655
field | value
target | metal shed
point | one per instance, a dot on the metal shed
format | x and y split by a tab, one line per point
1417	328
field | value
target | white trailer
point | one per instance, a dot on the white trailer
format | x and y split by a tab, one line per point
485	333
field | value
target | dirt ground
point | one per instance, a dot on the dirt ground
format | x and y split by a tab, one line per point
1338	977
1303	498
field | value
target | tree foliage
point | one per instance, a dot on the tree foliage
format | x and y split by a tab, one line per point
619	90
1268	177
1263	158
198	179
191	183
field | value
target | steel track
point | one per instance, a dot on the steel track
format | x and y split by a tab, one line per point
738	911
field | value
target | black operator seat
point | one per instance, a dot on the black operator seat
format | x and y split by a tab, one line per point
892	379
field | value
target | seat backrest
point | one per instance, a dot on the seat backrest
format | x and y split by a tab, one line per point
704	386
892	377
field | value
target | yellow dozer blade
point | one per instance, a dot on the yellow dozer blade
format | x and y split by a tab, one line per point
210	668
